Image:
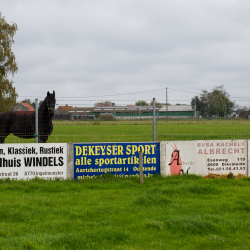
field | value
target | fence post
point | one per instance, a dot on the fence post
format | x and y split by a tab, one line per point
36	121
153	119
140	167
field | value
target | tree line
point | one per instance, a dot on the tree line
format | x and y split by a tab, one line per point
214	103
217	102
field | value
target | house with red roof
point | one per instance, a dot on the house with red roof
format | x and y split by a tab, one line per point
63	109
23	108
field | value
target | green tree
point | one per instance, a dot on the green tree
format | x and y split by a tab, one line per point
31	103
8	65
27	101
200	104
216	102
220	102
104	104
141	103
157	104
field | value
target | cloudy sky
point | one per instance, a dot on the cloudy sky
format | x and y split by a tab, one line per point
125	50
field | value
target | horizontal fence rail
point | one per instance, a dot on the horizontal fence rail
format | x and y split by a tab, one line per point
130	123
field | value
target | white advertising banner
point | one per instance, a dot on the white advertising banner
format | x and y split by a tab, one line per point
26	161
204	157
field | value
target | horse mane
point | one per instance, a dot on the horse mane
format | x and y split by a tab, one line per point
42	105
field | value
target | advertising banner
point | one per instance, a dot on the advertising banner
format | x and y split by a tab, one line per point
204	157
119	159
25	161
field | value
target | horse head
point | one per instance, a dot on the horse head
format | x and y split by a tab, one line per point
50	103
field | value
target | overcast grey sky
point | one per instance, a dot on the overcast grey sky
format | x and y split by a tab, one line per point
89	49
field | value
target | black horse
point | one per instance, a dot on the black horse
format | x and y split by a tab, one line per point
23	126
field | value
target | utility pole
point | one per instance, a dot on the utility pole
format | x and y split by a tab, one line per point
195	107
166	104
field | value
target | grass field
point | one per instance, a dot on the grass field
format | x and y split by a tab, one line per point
175	212
179	212
142	130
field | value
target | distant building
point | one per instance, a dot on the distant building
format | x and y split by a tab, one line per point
131	112
104	104
177	111
245	114
23	108
63	109
236	113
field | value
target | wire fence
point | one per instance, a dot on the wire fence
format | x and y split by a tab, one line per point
107	122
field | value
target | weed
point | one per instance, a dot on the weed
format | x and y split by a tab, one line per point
230	175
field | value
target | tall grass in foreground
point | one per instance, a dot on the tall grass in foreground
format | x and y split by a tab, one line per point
142	130
179	212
